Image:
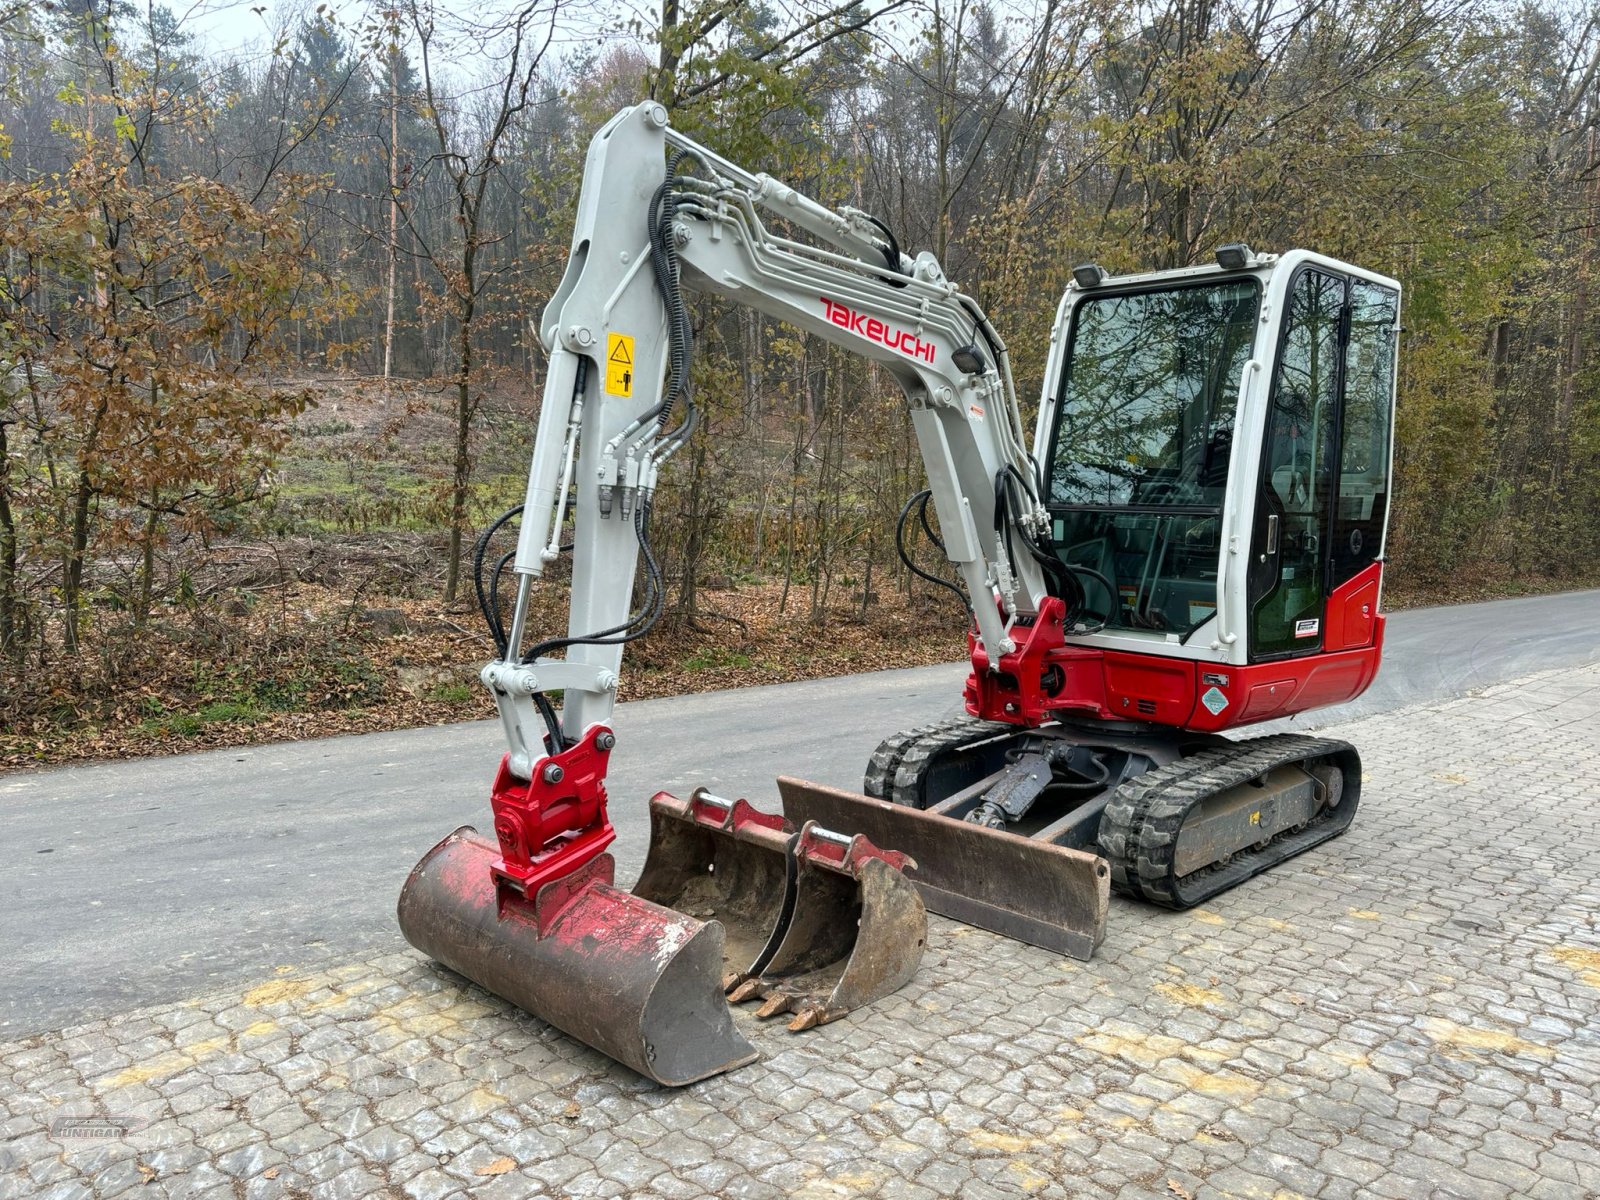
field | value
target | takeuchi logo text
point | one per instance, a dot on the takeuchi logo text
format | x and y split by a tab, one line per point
878	331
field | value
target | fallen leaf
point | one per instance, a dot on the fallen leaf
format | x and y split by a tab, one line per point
270	1173
571	1111
146	1173
1178	1190
498	1167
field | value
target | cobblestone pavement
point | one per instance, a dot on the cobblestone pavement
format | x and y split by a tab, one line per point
1412	1010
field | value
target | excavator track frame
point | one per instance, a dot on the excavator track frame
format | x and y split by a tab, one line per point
1142	827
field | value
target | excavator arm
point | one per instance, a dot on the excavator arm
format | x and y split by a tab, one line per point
617	402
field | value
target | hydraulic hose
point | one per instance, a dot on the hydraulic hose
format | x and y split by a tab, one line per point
922	498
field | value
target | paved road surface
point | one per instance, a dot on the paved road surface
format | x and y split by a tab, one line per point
135	883
1407	1012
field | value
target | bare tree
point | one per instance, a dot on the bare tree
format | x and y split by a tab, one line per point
512	49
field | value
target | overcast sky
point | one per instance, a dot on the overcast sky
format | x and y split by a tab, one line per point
223	27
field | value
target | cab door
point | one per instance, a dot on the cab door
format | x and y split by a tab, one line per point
1323	493
1288	576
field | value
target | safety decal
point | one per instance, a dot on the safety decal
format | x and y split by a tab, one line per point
1214	700
619	364
1307	628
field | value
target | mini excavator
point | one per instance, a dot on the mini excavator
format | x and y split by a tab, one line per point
1194	544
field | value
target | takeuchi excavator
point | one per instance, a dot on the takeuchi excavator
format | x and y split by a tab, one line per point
1193	544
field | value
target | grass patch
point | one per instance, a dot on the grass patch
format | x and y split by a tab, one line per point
715	658
188	724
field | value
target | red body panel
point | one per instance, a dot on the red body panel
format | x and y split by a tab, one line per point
1045	679
1352	613
1265	691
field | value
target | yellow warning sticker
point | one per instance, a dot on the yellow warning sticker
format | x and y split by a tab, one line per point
619	364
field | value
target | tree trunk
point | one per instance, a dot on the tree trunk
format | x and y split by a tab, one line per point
10	644
147	562
394	212
694	541
461	478
77	551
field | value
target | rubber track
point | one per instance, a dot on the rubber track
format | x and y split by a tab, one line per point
1140	828
920	755
883	777
885	760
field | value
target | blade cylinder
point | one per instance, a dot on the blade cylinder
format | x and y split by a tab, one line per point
634	980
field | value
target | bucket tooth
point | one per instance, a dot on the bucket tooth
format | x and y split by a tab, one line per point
1034	891
741	990
630	978
727	861
775	1006
855	934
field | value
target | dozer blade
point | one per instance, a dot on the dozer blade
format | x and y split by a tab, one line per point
715	859
636	981
855	934
1021	888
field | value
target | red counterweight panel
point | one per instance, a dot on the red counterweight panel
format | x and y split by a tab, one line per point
1352	611
1234	696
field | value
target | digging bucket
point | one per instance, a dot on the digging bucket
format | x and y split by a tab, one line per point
1034	891
631	978
722	860
855	934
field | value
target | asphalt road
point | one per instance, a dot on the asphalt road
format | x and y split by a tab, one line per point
133	883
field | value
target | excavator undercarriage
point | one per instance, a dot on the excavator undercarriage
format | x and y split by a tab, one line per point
1178	819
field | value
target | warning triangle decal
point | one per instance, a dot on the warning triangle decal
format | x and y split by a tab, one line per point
619	352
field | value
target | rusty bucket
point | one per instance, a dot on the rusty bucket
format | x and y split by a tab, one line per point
722	860
856	932
635	980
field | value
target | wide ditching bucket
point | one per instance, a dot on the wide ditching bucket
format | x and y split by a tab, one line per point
635	980
1034	891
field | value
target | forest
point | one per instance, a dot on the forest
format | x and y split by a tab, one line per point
266	367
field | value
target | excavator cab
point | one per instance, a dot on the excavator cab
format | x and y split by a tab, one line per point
1257	400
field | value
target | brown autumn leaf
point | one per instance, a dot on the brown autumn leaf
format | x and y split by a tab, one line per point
499	1166
571	1111
270	1173
1178	1190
